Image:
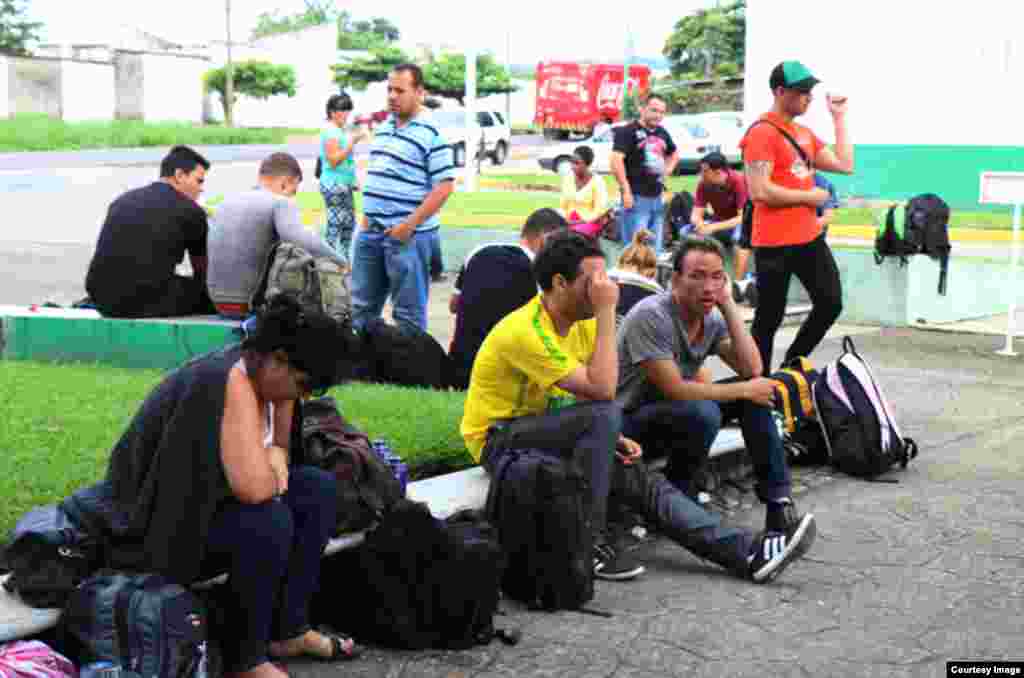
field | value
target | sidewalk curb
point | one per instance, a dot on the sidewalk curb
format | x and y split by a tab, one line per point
973	235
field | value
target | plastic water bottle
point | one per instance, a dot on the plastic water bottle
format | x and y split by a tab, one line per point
202	665
101	669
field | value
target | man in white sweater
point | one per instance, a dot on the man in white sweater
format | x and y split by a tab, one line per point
245	227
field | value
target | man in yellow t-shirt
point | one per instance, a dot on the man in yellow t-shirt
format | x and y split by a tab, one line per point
544	357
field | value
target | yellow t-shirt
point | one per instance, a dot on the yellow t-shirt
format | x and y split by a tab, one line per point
589	202
516	369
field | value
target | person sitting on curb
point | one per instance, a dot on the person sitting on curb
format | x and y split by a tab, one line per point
495	280
725	191
245	227
144	236
584	201
550	353
202	482
636	273
662	344
541	360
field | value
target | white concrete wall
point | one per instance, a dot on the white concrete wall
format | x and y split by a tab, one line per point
5	87
311	53
87	91
173	88
915	71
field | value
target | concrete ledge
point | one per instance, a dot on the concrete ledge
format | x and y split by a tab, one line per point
58	335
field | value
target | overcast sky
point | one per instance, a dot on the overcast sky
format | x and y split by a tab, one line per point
539	28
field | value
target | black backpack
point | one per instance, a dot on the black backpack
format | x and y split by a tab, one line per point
367	488
919	227
540	503
404	356
416	582
679	211
49	555
858	423
150	626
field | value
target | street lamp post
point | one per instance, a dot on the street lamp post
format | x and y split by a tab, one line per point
229	75
472	128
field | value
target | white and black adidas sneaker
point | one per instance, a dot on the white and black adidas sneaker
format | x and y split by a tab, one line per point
774	551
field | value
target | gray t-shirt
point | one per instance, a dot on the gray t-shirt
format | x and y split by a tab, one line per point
654	330
242	230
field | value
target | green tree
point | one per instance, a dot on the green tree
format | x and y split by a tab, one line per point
446	77
317	13
360	72
15	30
256	79
366	34
707	38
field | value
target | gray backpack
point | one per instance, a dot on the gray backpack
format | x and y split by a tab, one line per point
317	283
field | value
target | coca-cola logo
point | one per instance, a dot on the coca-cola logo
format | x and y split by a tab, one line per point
609	92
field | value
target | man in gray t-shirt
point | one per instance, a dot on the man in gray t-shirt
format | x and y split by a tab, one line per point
244	228
662	343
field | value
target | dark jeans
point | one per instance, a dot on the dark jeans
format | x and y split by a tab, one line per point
686	429
436	258
179	296
271	552
815	267
590	429
676	515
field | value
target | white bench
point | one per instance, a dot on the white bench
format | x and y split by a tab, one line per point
445	495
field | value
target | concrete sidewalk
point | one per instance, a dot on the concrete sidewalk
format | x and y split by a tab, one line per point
902	578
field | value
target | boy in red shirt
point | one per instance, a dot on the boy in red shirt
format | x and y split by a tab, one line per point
780	157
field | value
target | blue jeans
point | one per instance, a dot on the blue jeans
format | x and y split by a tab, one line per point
384	267
646	213
686	429
271	552
672	512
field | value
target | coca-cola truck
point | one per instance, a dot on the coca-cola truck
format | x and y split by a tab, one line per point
573	97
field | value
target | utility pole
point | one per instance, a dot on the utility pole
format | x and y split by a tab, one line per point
625	74
473	130
508	67
229	86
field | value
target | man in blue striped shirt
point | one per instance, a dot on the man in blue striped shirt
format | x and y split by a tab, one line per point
410	176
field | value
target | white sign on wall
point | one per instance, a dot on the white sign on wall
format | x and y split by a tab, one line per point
1001	188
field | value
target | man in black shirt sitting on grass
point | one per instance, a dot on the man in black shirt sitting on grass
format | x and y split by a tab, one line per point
145	235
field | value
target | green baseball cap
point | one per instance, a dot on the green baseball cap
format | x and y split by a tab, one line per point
793	75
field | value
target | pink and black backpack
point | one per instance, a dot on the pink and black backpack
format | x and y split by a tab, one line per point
858	423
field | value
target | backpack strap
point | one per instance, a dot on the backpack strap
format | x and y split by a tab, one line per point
848	346
789	138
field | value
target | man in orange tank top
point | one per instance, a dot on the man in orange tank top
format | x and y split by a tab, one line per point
780	158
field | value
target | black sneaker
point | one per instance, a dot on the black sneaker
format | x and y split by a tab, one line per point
614	564
774	551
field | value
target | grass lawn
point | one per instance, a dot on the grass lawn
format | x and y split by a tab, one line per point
57	430
38	132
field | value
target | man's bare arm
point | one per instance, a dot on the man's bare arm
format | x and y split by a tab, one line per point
763	190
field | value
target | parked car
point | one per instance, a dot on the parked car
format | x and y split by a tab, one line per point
691	138
558	157
495	135
727	128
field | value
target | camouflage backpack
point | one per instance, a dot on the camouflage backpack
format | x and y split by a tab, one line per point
317	283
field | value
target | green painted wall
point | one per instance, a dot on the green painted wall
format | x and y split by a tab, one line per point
901	172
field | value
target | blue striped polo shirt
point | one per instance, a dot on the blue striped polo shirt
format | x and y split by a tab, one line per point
406	163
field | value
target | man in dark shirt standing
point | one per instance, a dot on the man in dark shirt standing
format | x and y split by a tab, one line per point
145	235
495	280
643	156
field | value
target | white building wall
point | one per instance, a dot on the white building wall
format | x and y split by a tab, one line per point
5	87
173	87
87	91
915	71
